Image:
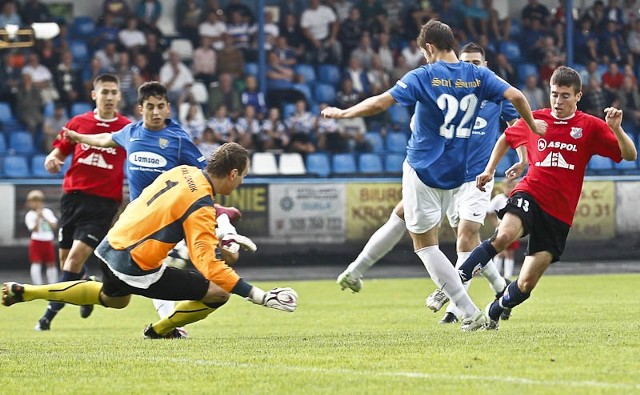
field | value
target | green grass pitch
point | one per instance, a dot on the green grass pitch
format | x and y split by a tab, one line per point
576	335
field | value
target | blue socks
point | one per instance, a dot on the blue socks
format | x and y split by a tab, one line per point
512	297
478	259
55	307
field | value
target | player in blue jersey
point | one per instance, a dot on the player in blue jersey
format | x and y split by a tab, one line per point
466	213
157	144
447	95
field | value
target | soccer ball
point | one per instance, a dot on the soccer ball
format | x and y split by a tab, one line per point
285	299
178	257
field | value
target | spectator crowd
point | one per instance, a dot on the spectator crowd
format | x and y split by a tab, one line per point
331	52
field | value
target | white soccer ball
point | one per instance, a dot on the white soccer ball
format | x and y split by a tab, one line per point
178	257
285	299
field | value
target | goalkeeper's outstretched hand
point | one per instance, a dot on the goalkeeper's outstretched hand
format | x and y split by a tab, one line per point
285	299
232	243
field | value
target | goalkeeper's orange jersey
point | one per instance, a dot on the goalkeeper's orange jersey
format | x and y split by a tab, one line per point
177	205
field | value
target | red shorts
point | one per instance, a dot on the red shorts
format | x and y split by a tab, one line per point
514	246
42	252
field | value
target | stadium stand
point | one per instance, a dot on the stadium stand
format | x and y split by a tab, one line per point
370	163
343	164
21	143
318	164
37	167
80	108
16	166
264	163
393	163
376	141
396	142
329	74
291	163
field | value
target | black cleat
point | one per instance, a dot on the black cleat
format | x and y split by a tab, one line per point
12	293
150	333
449	318
506	314
43	324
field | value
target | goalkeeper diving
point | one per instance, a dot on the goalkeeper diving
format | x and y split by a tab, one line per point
178	205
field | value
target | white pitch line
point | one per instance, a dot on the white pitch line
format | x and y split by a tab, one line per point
415	375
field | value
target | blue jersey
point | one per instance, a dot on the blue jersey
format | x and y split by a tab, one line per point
447	98
151	153
485	133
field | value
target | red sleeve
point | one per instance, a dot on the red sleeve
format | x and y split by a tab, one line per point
62	144
518	134
605	142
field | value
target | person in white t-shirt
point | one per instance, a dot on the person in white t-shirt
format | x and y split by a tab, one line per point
42	223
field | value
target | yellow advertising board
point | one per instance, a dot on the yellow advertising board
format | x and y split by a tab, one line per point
369	206
595	217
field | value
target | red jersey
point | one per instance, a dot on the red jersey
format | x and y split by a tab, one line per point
557	160
94	170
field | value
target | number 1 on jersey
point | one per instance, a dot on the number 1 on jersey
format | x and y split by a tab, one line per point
169	185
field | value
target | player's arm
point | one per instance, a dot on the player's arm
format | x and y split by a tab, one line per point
94	140
54	161
614	121
370	106
499	151
202	241
521	105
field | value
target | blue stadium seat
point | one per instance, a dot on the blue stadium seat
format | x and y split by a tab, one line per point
329	74
600	163
370	163
396	142
318	163
525	70
325	93
393	163
82	27
79	50
67	165
251	69
376	141
80	108
5	113
3	145
305	90
16	166
343	164
399	114
511	50
37	167
21	143
307	72
627	167
288	109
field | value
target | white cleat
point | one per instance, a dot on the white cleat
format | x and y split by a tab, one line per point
491	325
436	300
475	322
347	280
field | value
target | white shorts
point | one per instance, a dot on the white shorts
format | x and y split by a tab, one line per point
424	207
470	203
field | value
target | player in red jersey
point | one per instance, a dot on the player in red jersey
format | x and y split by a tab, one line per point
92	186
542	205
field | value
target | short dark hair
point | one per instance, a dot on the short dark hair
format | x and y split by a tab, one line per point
152	88
106	78
227	157
438	34
566	76
473	48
